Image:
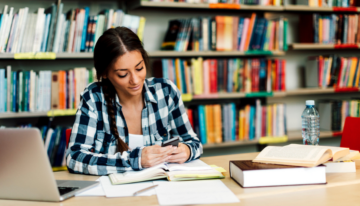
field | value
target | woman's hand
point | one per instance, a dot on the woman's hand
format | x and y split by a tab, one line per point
154	155
180	155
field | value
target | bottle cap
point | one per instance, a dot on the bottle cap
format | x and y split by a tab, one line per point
310	102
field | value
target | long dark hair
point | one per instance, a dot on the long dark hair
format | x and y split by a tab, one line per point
109	47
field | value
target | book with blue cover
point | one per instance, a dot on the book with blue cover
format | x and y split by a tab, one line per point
202	124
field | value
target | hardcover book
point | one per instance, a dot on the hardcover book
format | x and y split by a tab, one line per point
251	174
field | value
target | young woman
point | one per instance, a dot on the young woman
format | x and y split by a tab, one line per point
123	118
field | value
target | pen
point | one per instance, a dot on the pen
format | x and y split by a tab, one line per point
145	189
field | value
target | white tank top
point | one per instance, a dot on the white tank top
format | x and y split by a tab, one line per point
135	140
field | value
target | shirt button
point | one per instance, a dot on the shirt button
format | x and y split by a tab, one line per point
165	134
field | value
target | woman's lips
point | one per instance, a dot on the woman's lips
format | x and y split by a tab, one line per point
135	88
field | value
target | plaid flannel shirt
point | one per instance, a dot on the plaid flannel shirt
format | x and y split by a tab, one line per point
92	147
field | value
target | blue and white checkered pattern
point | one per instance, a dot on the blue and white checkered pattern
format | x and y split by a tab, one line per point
92	147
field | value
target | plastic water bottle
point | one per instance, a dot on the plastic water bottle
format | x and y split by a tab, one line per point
310	124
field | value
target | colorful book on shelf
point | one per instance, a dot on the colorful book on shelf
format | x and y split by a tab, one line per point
51	30
225	75
226	33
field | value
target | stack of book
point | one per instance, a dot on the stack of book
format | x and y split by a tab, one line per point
224	123
328	3
332	71
334	112
199	76
326	29
292	165
30	91
226	33
51	30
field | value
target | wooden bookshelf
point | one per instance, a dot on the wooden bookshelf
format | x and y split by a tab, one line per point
134	4
309	91
158	54
234	95
214	53
316	46
8	115
304	8
292	136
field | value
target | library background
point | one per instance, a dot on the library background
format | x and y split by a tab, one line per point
245	67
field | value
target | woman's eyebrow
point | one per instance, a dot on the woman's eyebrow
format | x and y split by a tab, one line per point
139	63
127	69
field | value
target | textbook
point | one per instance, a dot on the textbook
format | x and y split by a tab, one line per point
251	174
300	155
194	170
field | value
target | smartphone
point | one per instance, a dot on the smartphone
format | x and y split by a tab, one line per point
173	141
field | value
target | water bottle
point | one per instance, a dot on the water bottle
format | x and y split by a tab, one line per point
310	124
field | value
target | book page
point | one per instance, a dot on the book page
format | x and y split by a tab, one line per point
302	154
337	152
189	166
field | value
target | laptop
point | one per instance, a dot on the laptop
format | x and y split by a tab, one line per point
25	171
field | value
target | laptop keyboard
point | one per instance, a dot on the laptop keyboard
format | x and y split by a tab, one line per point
64	190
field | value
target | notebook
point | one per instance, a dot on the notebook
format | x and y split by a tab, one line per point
194	170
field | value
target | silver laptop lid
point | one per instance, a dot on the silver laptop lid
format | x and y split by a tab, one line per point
25	171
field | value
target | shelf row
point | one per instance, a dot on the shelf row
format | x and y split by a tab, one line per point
165	54
292	8
188	98
291	136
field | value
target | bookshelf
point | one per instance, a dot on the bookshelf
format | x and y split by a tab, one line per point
292	136
154	54
315	46
182	5
158	14
304	8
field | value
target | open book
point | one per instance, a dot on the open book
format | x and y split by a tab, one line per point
193	170
300	155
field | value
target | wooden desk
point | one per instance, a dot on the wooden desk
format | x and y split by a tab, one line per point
342	189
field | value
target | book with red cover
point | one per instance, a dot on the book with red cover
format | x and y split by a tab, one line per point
350	136
283	76
251	174
213	76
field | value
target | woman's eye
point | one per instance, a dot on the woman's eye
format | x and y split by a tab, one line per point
140	69
122	76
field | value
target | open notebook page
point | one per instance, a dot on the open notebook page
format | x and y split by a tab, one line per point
189	166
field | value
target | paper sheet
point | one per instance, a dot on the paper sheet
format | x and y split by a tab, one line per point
194	192
126	189
94	191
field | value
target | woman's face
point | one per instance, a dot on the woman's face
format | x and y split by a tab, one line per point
128	73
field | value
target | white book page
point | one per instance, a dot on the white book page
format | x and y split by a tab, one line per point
334	150
194	192
92	192
291	153
189	166
125	190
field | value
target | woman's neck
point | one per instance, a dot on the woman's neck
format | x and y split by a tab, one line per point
129	100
